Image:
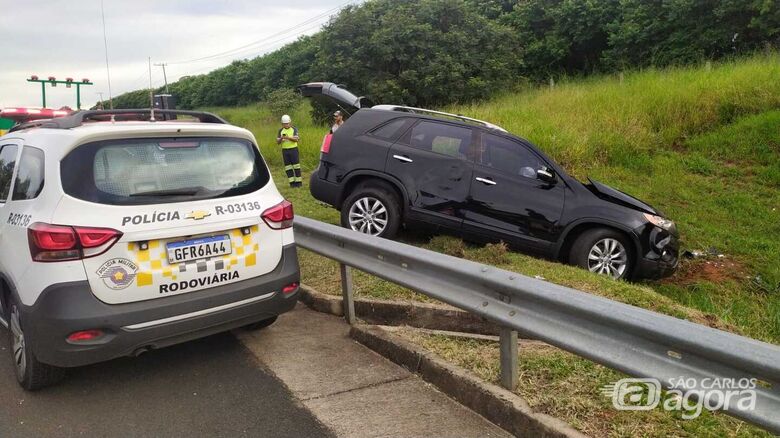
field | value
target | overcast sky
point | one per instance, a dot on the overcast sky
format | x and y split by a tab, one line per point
64	38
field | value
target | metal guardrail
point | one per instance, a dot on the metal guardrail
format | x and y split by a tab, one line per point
629	339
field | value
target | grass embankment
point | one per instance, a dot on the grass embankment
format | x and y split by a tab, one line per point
701	144
567	387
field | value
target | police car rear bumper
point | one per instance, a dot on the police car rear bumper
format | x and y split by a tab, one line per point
129	329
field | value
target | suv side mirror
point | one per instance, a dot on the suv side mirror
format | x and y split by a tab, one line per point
546	175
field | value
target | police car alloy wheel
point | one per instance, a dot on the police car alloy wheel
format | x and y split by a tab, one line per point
18	346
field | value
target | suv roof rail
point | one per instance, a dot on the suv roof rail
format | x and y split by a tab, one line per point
411	109
78	118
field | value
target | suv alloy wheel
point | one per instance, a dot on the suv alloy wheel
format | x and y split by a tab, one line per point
603	251
372	209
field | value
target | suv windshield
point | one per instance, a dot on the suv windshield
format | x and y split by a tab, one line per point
160	170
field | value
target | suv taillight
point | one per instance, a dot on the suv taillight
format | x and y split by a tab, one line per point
57	243
280	216
326	143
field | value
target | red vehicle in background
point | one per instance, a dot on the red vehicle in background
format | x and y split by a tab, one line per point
10	117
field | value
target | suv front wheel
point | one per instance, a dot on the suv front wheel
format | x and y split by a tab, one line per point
372	208
603	251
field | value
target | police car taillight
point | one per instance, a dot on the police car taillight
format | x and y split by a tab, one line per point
57	243
280	216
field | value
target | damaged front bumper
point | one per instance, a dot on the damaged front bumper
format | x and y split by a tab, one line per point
659	252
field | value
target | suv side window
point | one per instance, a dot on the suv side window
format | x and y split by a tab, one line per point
29	178
7	163
508	156
390	130
441	138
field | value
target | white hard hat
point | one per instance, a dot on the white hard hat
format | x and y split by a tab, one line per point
286	119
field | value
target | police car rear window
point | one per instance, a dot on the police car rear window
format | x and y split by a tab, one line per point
162	170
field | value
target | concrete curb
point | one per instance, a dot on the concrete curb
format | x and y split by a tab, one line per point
384	312
501	407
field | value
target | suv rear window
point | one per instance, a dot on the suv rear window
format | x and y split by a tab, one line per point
441	138
389	130
160	170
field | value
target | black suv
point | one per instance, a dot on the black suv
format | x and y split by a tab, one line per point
392	165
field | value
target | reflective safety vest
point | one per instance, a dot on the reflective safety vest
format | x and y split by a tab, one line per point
291	131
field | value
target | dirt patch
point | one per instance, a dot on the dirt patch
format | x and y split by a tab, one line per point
713	321
712	269
678	146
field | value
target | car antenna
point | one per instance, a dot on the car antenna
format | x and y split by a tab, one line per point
151	93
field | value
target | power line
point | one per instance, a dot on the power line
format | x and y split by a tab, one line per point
234	51
139	81
279	40
254	49
266	38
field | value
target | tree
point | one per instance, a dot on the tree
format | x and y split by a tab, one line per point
423	53
664	32
562	35
437	52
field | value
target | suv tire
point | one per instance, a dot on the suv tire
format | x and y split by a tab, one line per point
30	373
603	251
372	208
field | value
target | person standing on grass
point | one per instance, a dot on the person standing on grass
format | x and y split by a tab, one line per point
338	120
288	139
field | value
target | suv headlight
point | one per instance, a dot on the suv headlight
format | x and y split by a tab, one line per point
659	222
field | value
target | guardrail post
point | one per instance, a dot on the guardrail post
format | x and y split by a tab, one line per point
508	346
346	292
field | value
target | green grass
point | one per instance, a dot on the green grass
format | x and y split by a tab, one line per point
702	145
567	387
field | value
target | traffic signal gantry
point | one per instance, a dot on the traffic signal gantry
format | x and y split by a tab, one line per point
69	82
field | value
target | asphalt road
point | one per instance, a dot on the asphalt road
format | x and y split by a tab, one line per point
211	388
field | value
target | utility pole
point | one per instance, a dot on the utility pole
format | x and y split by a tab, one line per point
100	102
165	77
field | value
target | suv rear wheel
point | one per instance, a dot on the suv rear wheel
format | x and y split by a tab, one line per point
372	208
30	373
603	251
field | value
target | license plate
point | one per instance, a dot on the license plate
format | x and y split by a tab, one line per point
201	248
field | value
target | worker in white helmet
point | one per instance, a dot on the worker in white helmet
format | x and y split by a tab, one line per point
288	139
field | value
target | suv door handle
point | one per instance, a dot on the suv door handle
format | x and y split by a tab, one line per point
403	158
487	181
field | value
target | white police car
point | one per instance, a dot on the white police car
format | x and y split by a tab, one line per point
120	234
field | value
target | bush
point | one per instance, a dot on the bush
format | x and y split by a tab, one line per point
283	101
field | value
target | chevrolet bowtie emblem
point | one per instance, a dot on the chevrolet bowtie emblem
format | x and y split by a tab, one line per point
197	215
